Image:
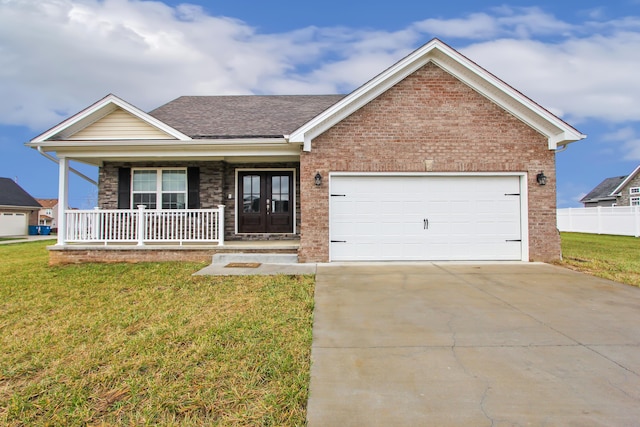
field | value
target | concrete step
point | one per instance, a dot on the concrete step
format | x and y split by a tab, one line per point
263	258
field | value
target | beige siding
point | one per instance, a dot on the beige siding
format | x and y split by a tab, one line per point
119	125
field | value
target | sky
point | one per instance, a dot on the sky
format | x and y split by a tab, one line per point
578	59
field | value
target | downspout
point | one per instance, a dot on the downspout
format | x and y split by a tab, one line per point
77	172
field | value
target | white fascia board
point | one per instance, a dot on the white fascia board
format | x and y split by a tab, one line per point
100	109
556	130
626	181
564	138
21	208
106	144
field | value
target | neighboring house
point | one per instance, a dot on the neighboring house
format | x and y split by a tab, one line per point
48	213
615	191
18	209
433	159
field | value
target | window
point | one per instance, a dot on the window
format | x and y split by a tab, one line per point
634	190
635	201
48	212
159	188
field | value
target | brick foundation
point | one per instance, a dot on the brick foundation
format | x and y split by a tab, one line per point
70	255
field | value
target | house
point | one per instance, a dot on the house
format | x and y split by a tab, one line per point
49	212
435	158
18	209
615	191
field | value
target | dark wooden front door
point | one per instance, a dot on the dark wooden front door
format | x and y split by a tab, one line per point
266	202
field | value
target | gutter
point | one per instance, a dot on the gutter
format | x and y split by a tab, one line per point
77	172
560	150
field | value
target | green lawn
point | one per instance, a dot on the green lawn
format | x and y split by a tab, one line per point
611	257
148	344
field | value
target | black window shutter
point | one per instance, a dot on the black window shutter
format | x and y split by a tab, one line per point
124	188
193	185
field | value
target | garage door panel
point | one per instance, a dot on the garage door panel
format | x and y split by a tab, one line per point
13	223
425	217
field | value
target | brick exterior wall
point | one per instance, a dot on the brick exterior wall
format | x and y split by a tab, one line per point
217	180
429	122
625	197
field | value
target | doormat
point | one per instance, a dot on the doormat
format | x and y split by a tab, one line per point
243	265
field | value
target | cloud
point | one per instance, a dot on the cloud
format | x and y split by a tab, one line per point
580	78
58	56
632	149
504	22
622	134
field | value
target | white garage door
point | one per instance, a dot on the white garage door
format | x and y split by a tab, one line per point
383	217
13	224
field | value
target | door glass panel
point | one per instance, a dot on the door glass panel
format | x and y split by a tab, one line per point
251	193
280	194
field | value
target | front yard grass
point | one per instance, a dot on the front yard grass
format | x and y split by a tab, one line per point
611	257
148	344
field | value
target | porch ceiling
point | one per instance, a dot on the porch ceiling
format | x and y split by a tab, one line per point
231	150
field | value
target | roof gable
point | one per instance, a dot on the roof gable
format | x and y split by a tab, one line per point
604	190
47	203
11	194
556	130
610	187
89	123
119	124
626	180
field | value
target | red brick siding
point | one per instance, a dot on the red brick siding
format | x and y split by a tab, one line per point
430	121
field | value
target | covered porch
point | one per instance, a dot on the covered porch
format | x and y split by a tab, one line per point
166	195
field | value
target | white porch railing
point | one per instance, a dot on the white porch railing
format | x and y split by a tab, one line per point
619	220
144	226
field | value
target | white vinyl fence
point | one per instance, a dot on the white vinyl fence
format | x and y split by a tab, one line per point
620	220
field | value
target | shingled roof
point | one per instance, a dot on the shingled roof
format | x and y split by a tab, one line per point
251	116
11	194
604	190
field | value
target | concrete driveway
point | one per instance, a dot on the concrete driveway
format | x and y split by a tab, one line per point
473	345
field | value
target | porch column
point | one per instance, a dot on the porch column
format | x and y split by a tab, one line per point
63	199
221	225
141	224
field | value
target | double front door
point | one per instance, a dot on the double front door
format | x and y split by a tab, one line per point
266	199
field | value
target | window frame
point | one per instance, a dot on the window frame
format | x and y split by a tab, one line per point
634	190
159	191
634	199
